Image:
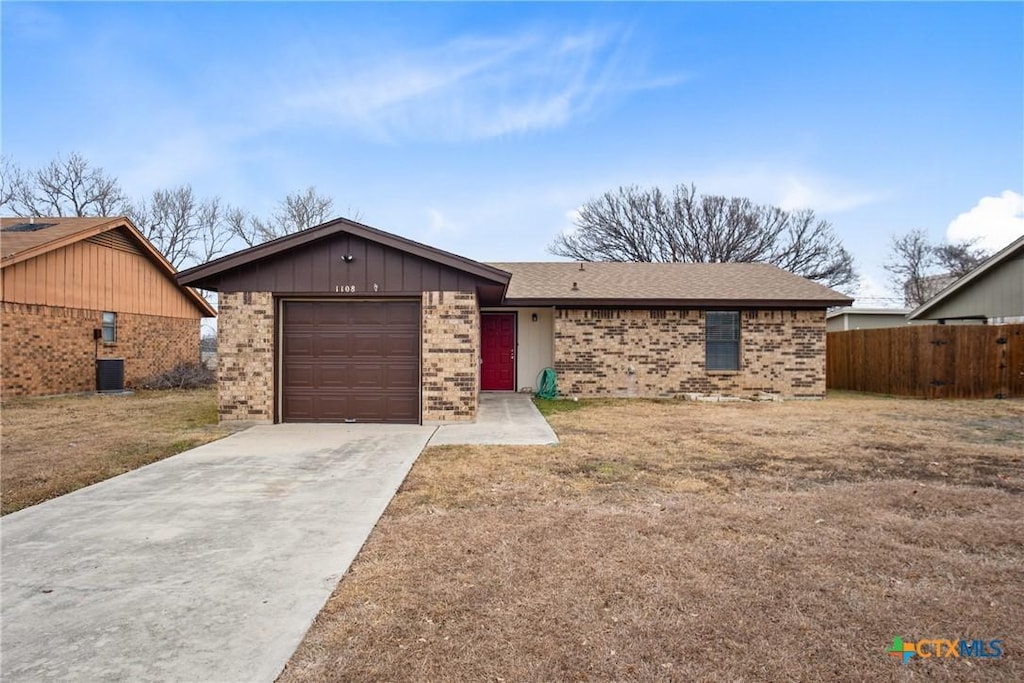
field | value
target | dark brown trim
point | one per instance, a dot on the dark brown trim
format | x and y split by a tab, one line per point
674	303
342	225
277	305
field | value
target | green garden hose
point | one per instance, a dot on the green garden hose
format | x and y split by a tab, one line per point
547	385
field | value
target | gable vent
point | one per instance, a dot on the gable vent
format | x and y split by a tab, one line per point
115	239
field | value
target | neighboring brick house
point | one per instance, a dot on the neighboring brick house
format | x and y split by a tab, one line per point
344	322
78	289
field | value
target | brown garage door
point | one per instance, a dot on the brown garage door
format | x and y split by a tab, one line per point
351	360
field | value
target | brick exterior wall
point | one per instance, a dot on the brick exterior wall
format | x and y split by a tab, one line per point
781	352
50	350
451	356
245	356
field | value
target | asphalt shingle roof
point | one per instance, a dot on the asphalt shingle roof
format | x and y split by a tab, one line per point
13	243
663	282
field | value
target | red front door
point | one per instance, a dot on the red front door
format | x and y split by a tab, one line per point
497	350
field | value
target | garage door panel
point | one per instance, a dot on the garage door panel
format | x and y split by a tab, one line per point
407	312
334	375
333	407
299	375
405	406
400	346
298	344
328	312
298	407
367	345
372	377
301	313
351	361
333	344
403	376
367	407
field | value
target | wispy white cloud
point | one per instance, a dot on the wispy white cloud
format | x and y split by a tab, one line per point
472	87
994	221
790	189
439	224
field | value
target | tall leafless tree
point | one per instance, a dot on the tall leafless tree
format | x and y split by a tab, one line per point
297	212
12	179
184	228
638	224
920	269
910	260
64	187
187	229
960	258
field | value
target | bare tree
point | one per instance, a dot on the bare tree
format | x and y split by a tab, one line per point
66	187
960	258
11	181
297	212
637	224
920	269
910	261
184	228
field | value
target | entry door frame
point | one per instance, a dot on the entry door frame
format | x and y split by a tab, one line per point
514	315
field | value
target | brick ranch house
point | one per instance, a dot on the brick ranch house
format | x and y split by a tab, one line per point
78	289
344	322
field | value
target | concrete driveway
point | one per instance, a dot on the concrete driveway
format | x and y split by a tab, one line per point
208	566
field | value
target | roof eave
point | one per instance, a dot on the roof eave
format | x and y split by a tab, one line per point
281	244
676	303
993	262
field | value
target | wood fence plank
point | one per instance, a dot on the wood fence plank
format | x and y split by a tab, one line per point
930	361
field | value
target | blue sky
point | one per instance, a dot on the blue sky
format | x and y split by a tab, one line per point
479	128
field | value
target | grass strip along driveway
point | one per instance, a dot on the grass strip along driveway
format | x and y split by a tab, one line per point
52	446
682	541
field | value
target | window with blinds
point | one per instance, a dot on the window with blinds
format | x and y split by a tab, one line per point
722	340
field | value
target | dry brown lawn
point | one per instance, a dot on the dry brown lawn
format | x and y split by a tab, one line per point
682	541
51	446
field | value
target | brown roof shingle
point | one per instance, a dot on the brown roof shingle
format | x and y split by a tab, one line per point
13	243
664	283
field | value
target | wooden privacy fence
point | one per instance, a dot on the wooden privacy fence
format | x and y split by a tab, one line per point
929	361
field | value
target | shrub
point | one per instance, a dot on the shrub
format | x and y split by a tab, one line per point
181	376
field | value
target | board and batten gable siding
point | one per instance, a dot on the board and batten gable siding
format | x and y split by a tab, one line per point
320	268
997	294
106	272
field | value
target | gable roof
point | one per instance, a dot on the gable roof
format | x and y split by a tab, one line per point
849	310
25	238
266	250
1012	251
668	284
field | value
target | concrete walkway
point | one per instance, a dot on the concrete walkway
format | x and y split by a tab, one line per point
208	566
504	418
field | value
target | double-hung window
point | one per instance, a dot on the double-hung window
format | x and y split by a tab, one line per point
722	340
109	327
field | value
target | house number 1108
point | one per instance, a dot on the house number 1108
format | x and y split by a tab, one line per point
344	289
